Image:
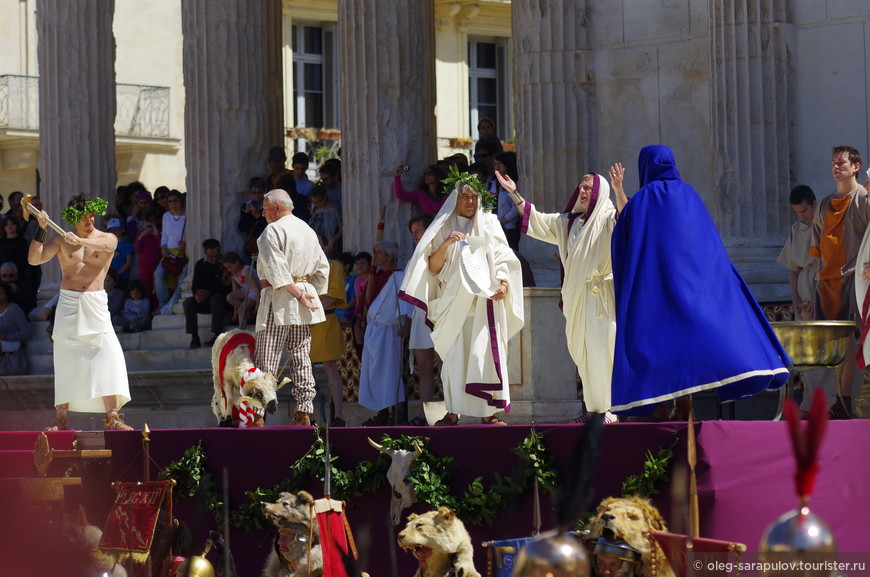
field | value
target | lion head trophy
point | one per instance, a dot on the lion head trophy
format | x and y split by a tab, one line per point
557	553
800	535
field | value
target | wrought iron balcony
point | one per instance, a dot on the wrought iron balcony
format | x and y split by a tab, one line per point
142	111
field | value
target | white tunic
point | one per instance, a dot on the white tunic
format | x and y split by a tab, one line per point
88	360
587	291
380	376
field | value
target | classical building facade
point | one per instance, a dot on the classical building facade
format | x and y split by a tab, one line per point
751	96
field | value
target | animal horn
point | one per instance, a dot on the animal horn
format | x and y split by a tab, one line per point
283	382
418	450
376	446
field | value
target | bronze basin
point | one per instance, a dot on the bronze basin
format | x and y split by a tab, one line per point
815	344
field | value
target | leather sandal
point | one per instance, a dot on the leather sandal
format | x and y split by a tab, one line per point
61	422
449	420
301	419
114	421
492	420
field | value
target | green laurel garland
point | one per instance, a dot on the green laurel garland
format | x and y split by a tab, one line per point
454	177
655	471
429	475
72	214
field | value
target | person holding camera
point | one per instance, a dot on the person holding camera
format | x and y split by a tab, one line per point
428	198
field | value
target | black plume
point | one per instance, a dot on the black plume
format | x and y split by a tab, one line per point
224	565
572	498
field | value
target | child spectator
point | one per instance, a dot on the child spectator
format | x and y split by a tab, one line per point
246	287
137	311
300	162
345	315
113	292
122	262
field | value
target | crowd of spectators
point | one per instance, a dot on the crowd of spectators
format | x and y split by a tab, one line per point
152	253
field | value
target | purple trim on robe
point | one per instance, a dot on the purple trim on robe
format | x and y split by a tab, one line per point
527	211
569	208
482	390
593	200
419	304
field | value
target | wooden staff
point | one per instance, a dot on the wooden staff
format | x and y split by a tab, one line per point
694	517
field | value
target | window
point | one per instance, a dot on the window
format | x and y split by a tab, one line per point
489	84
314	79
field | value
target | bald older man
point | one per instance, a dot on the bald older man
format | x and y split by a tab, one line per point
293	271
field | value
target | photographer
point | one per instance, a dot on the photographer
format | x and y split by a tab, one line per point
251	219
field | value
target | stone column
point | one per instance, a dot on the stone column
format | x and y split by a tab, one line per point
556	141
753	122
387	62
552	97
76	52
233	109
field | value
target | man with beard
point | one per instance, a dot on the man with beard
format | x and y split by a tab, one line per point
90	373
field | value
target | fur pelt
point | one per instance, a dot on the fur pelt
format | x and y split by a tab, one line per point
85	538
259	391
441	544
629	519
291	557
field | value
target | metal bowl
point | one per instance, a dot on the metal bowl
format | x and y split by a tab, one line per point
815	344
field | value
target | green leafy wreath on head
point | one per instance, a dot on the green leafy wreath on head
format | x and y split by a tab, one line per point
488	199
72	215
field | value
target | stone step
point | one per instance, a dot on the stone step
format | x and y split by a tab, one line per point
164	346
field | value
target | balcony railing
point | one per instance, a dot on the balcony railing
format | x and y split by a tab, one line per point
142	111
19	102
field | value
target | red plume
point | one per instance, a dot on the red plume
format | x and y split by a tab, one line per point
806	444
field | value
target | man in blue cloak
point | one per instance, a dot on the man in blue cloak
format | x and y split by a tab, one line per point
685	319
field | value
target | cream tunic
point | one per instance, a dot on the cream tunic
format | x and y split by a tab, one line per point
587	291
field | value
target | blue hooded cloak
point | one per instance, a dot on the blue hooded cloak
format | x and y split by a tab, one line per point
685	319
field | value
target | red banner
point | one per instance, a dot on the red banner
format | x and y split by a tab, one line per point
129	529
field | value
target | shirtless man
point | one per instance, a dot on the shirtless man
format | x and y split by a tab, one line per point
90	374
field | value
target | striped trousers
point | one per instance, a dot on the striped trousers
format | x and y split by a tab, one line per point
296	340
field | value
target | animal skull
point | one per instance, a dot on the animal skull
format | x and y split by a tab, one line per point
400	467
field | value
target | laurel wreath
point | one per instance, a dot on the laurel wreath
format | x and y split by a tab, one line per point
72	215
455	177
429	476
